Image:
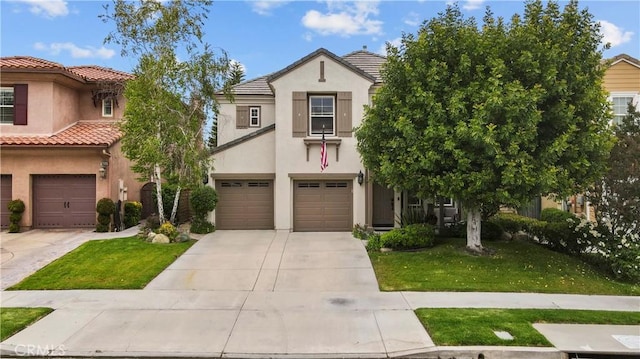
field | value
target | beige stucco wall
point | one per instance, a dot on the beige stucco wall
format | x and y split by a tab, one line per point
40	117
124	183
227	130
254	156
291	153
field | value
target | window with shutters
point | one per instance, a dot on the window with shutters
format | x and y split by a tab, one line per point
13	105
6	105
322	115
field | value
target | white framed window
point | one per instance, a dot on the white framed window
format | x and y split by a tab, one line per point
254	116
107	107
322	115
447	202
619	105
6	105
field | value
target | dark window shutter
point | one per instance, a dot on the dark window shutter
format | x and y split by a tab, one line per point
344	114
300	118
242	116
20	98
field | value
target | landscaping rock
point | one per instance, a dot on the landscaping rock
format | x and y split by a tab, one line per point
183	237
506	236
384	249
160	238
150	236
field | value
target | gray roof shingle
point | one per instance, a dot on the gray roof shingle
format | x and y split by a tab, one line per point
364	62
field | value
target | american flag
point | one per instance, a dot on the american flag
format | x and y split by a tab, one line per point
324	162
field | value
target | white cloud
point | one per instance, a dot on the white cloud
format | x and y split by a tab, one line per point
75	51
412	19
307	36
345	19
613	34
265	7
47	8
395	42
472	4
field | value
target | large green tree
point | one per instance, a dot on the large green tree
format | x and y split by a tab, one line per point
173	93
491	114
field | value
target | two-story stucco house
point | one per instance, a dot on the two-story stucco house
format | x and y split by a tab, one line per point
267	167
59	143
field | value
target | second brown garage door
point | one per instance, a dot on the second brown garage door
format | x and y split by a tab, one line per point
322	206
244	204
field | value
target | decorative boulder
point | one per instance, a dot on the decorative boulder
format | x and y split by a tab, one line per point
183	237
506	236
160	238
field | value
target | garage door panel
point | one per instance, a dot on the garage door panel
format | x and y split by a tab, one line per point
244	204
5	198
323	206
64	201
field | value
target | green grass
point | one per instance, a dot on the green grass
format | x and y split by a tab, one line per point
123	263
15	319
516	266
456	326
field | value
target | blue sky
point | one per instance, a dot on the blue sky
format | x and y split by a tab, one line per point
265	36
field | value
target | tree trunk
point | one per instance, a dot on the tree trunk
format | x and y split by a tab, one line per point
174	210
440	213
474	218
159	193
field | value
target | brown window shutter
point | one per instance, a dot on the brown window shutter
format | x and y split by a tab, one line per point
344	113
300	119
20	98
242	116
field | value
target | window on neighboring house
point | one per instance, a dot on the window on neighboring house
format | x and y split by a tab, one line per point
322	110
107	107
254	116
6	105
619	106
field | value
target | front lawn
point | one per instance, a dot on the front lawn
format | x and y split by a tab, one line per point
15	319
122	263
456	326
517	266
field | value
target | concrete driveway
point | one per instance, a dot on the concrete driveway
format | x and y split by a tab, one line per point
272	261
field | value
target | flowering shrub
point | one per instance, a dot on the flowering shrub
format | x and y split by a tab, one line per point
168	230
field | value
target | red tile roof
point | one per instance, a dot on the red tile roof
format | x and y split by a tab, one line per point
80	134
97	73
90	73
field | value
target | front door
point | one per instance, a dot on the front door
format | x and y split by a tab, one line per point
383	214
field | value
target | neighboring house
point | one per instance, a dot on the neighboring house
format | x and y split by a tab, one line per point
622	82
59	143
267	163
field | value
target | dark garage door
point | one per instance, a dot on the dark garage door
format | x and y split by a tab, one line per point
244	204
64	201
322	206
5	198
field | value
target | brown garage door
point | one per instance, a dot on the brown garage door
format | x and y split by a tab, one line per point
244	204
322	206
5	197
64	201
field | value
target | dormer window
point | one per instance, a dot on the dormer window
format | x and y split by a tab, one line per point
107	107
322	110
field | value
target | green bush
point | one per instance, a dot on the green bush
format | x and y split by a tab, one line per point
412	236
374	242
203	200
106	206
152	222
555	215
16	207
201	226
490	231
169	230
132	213
101	228
511	222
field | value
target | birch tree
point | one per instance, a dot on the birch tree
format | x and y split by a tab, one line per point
173	92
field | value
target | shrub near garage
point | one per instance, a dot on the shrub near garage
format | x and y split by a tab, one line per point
132	213
16	207
413	236
105	209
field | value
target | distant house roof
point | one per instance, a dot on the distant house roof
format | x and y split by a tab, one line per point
626	58
90	73
80	134
364	63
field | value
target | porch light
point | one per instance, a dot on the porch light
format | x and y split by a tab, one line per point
103	169
360	178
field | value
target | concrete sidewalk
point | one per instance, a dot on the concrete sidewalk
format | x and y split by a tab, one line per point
242	294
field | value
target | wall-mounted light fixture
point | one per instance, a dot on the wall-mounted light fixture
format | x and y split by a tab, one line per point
360	178
103	169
